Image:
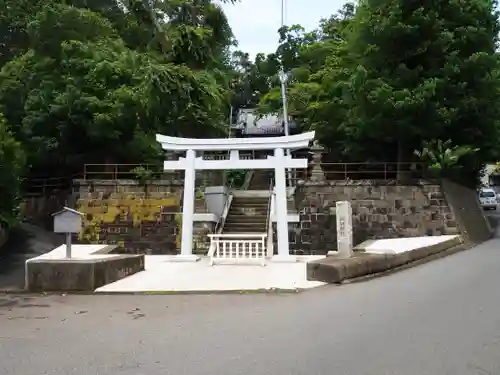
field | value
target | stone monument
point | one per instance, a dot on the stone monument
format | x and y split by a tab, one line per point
344	230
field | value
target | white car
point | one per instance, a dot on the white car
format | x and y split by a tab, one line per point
488	199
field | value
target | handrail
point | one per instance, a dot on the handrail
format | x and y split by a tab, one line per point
269	225
222	218
269	203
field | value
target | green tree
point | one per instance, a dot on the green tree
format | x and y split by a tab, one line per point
316	62
12	168
80	95
425	71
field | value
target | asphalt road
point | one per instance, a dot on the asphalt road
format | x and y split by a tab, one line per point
439	318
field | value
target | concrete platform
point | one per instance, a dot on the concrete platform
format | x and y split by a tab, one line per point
162	275
401	245
379	256
89	268
78	252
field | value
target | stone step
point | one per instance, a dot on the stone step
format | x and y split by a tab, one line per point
243	230
244	225
235	210
246	218
262	211
253	203
244	222
245	209
250	198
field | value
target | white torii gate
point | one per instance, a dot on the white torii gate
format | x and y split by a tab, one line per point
191	163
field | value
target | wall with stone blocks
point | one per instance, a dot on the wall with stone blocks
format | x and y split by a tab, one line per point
139	219
379	211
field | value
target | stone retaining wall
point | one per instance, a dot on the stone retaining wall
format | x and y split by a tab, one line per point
380	210
139	219
464	203
147	220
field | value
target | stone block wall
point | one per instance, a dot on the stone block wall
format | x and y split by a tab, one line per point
38	210
201	241
379	211
469	214
139	219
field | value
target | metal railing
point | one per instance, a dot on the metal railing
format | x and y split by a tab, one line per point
124	171
219	226
332	171
44	186
382	171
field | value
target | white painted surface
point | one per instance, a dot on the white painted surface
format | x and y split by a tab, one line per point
79	252
233	163
217	144
401	245
188	204
162	275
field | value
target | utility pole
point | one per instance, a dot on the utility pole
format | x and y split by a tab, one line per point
283	80
230	121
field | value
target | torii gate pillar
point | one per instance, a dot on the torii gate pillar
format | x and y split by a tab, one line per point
281	207
186	254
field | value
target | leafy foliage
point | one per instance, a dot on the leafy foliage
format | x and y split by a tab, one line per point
80	94
12	166
236	178
441	157
93	81
386	77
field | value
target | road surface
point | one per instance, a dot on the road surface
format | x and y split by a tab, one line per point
439	318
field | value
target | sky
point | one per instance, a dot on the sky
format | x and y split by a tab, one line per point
255	22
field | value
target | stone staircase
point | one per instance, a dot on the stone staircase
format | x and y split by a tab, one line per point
261	180
244	234
247	215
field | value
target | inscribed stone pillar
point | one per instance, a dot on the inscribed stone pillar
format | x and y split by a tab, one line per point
344	229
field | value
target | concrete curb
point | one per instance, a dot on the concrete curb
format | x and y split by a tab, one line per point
430	258
205	292
364	265
154	293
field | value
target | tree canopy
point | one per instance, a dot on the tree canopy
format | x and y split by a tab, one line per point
379	80
92	81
